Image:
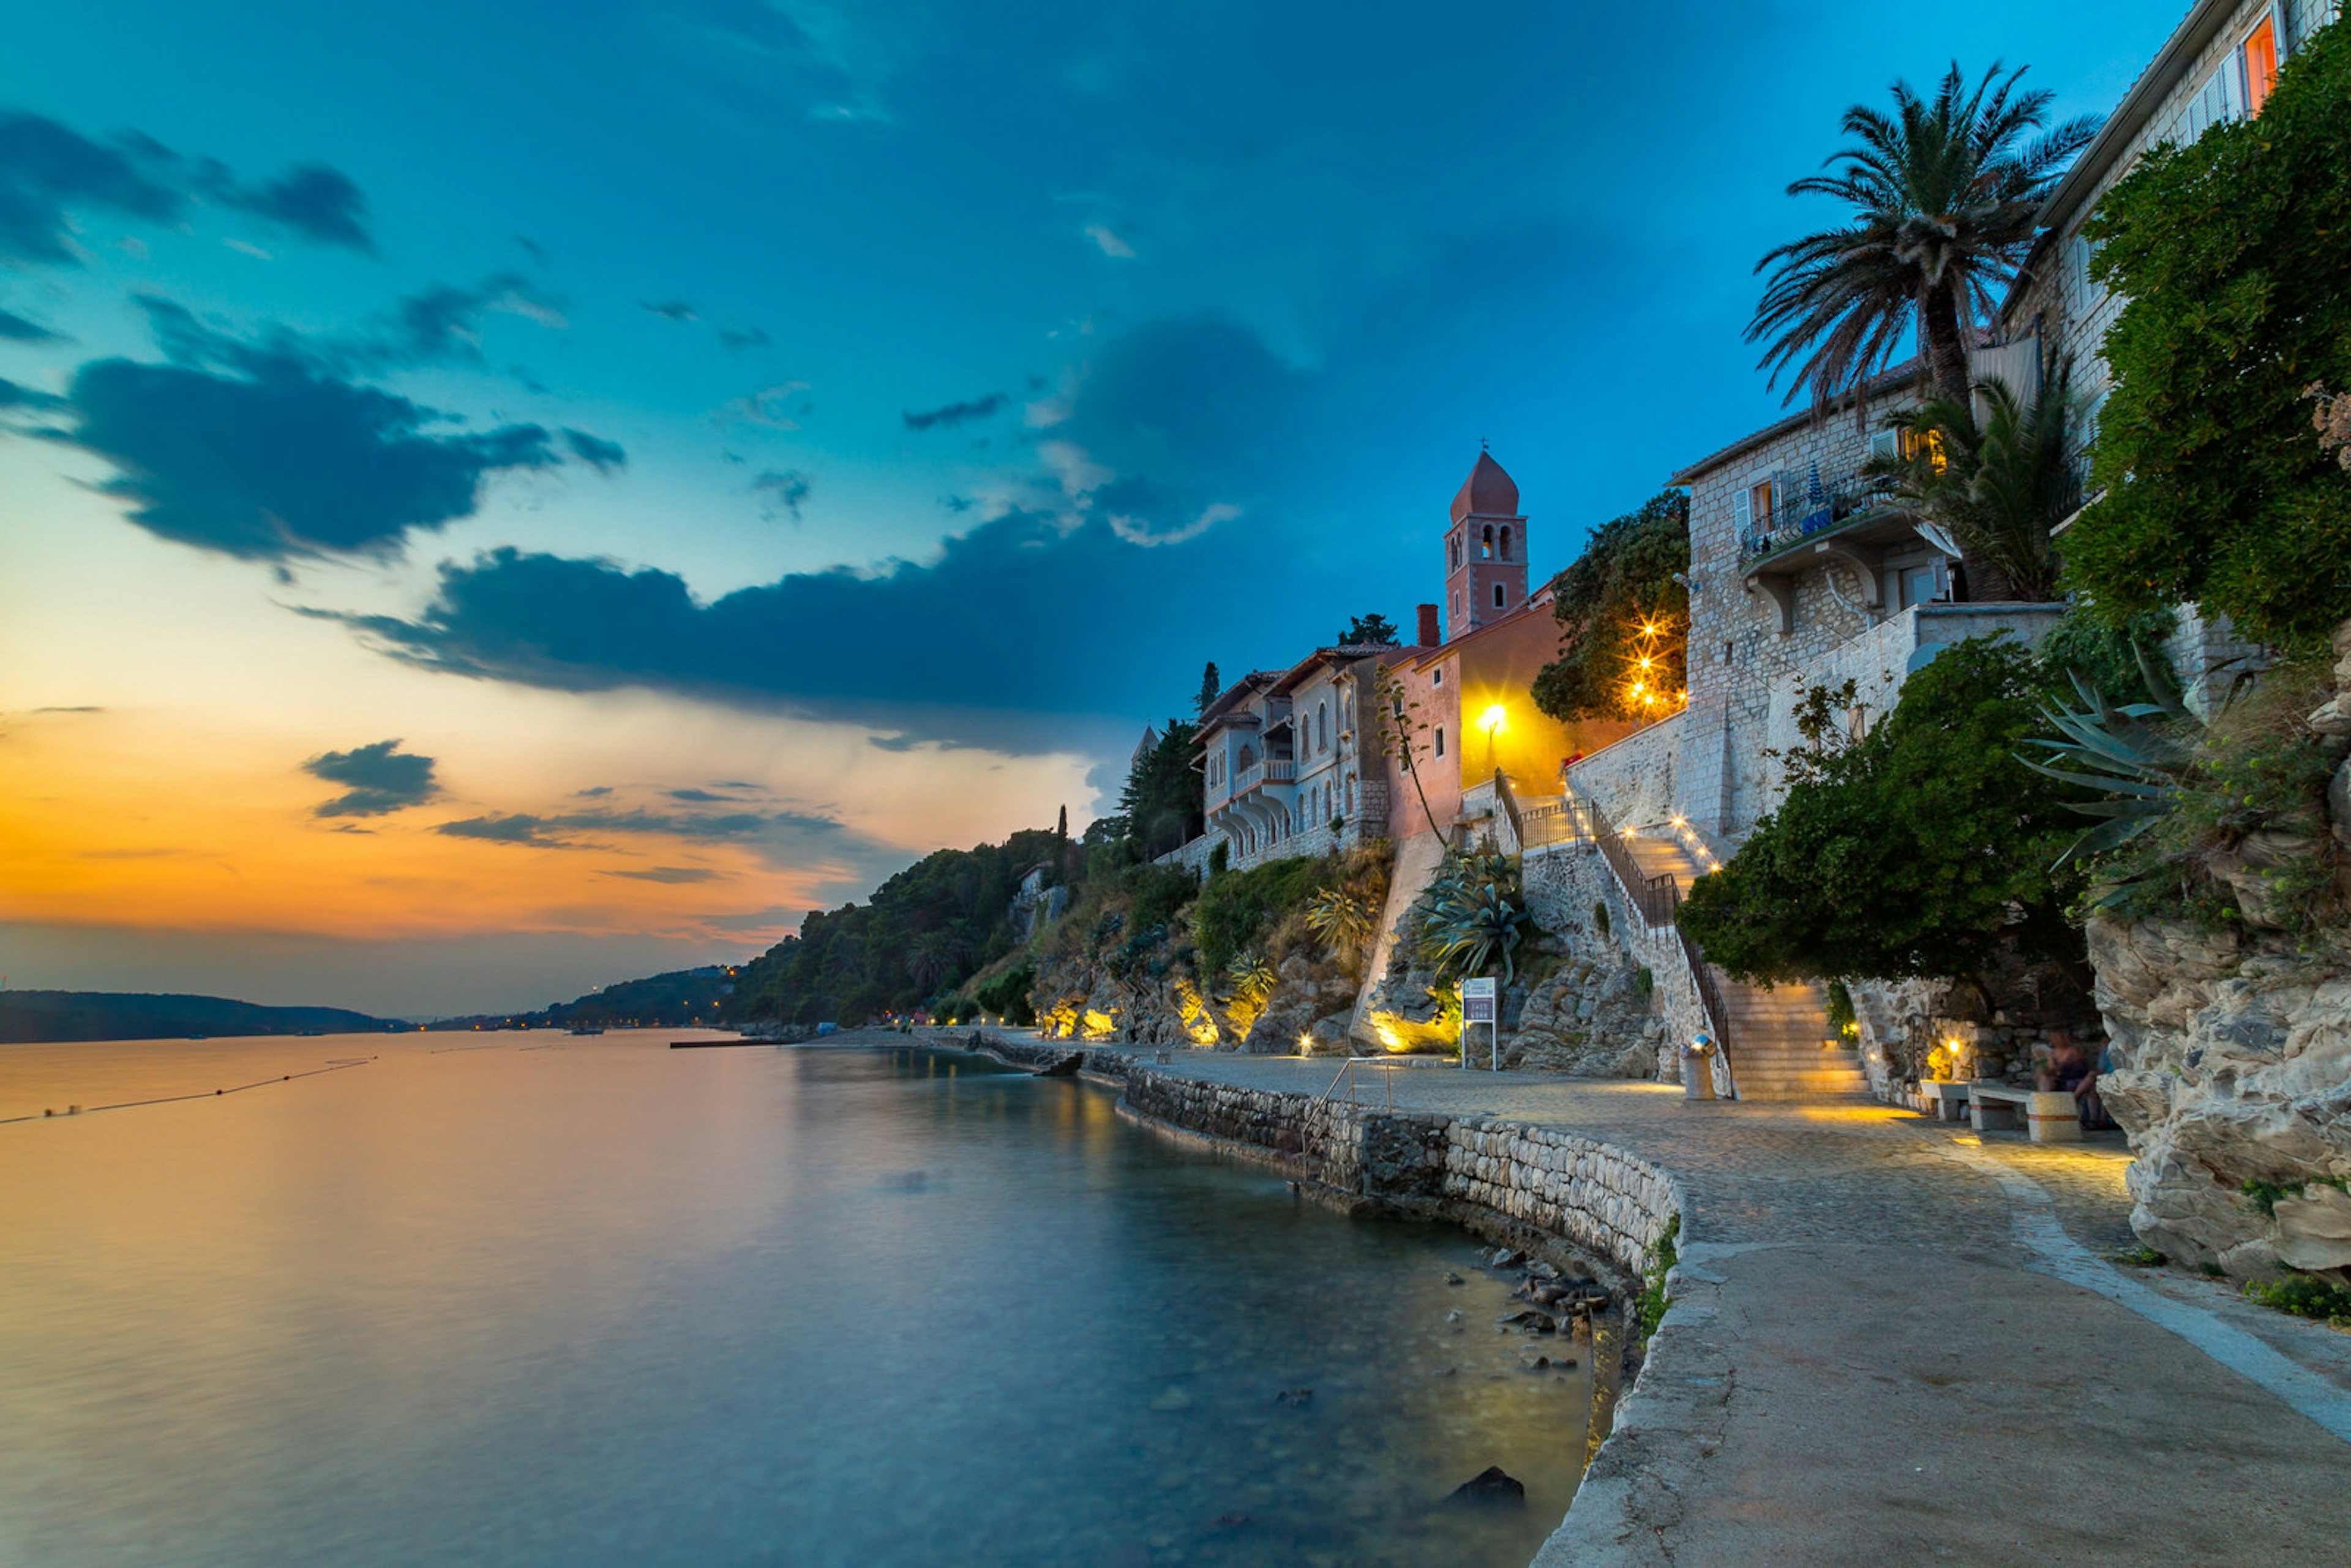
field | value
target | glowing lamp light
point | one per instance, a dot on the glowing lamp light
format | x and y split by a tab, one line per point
1493	718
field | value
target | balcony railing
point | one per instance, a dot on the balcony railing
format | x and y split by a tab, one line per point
1272	770
1798	513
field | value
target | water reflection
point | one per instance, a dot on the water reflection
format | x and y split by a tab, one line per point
482	1301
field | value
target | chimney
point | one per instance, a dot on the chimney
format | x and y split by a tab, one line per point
1429	637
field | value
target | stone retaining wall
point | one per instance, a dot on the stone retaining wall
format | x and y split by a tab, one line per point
1514	1181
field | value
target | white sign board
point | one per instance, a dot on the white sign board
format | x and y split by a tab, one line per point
1477	1000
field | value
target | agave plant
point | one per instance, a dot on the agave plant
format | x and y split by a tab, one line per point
2136	754
1252	979
1344	921
1474	928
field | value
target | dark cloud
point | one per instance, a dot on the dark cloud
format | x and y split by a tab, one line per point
379	779
12	395
670	310
779	832
955	413
806	643
734	337
594	792
788	490
958	504
672	874
442	324
515	828
45	168
604	456
15	328
314	201
47	171
283	461
699	796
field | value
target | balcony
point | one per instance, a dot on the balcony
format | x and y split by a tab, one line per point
1852	521
1272	770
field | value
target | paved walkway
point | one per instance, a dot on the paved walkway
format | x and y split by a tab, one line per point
1896	1342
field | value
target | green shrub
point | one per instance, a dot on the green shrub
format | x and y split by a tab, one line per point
1007	996
2304	1295
1600	915
1233	909
1649	1310
1843	1019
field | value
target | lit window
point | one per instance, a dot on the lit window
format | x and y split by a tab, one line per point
1486	544
2261	55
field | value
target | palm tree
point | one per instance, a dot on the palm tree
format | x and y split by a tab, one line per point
1996	487
1945	197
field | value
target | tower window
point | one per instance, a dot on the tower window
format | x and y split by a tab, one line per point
1505	544
1485	543
1500	595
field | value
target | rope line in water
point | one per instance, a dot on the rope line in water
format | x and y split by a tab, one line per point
335	1064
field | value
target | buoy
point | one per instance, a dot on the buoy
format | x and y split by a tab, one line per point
220	1090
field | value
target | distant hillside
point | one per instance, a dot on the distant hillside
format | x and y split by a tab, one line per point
678	999
27	1017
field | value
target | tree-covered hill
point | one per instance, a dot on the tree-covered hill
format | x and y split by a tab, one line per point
27	1017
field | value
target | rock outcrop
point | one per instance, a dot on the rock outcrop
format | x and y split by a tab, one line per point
1590	1018
2233	1064
2232	1049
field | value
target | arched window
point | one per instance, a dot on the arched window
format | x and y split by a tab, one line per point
1322	727
1486	544
1505	544
1351	794
1500	594
1247	759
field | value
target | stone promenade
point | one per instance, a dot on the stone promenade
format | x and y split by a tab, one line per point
1893	1343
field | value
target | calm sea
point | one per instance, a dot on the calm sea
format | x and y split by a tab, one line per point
532	1299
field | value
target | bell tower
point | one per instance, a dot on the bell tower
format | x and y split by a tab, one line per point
1485	550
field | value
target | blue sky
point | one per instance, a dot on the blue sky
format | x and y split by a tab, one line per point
884	408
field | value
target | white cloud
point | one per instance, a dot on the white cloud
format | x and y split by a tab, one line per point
1138	530
1109	242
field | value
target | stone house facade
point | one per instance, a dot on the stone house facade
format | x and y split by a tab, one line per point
1286	767
2217	65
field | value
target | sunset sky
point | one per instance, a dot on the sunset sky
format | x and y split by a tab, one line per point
496	499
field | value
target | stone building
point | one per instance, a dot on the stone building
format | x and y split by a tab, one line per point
1297	762
1465	685
1286	767
2218	65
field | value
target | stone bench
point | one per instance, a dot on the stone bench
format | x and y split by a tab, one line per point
2049	1115
1945	1101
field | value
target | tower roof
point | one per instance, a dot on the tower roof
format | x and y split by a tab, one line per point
1487	493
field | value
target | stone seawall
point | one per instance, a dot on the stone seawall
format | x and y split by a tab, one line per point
1516	1183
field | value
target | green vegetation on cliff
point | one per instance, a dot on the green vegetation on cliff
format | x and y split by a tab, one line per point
1922	848
2234	253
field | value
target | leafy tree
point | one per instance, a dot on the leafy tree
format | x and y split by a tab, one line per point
1364	628
923	932
1212	686
1625	580
1918	850
1997	485
2235	256
1161	803
1946	197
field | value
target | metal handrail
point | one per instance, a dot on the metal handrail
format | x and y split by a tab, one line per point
1347	1071
1663	893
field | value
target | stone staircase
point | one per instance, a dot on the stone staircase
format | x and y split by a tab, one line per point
1776	1035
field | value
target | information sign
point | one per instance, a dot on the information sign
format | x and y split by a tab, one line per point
1477	1000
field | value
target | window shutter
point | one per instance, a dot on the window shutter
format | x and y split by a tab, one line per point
1743	512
